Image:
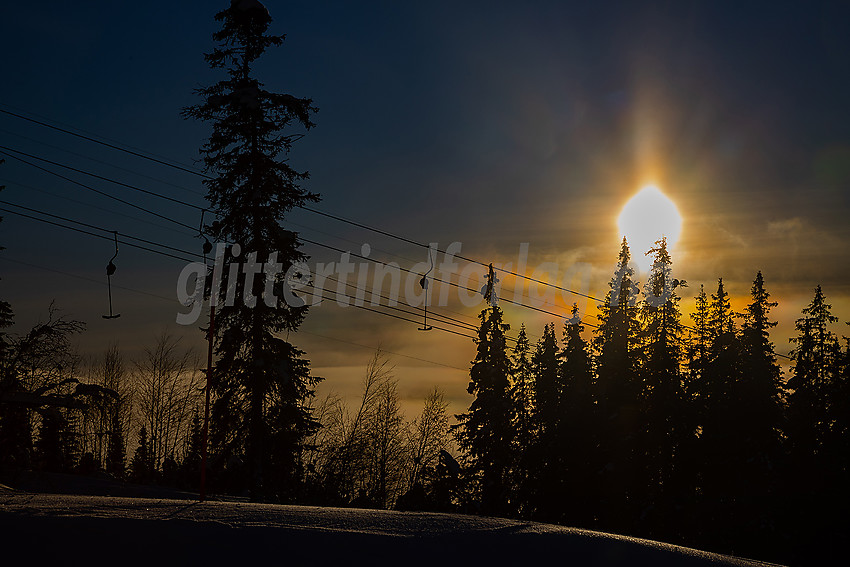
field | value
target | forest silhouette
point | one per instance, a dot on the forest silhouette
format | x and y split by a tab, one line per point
652	425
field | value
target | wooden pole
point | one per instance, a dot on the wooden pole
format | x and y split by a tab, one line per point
210	335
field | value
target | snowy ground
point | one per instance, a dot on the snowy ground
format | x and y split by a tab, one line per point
44	529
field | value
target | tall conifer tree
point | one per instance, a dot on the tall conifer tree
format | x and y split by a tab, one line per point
616	346
761	389
578	428
698	348
261	380
546	471
485	432
522	395
757	419
546	380
815	356
816	489
664	415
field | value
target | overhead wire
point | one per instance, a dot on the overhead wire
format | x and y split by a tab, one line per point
151	157
5	149
2	148
452	322
364	307
322	213
304	207
171	300
102	162
448	282
445	319
104	193
338	218
93	206
95	227
101	236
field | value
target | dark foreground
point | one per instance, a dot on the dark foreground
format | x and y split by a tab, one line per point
47	529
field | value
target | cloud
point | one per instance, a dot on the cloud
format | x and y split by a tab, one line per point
791	227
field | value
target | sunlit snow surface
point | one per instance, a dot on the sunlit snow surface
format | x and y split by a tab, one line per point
101	529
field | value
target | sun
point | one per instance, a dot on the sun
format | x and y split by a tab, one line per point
648	216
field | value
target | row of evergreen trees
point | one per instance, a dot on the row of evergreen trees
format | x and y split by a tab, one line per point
679	432
684	433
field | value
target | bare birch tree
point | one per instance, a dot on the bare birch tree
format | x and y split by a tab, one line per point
429	434
168	388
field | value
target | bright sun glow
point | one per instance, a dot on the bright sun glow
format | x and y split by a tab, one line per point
648	216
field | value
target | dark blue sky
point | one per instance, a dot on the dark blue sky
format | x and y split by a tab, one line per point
491	123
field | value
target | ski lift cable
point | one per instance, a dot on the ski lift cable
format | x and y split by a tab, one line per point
197	207
304	207
448	282
331	216
335	296
12	183
123	235
442	319
95	227
307	208
102	162
104	237
115	234
203	210
325	297
171	300
207	248
397	316
373	293
115	146
104	193
6	150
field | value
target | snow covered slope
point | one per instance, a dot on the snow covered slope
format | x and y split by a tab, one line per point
101	530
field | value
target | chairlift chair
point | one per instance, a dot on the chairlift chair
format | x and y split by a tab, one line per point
110	269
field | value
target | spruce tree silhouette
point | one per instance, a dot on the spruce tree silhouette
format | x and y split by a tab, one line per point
116	453
813	483
547	382
578	427
812	381
617	352
663	402
261	380
522	395
141	469
758	421
485	433
697	353
717	398
192	459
